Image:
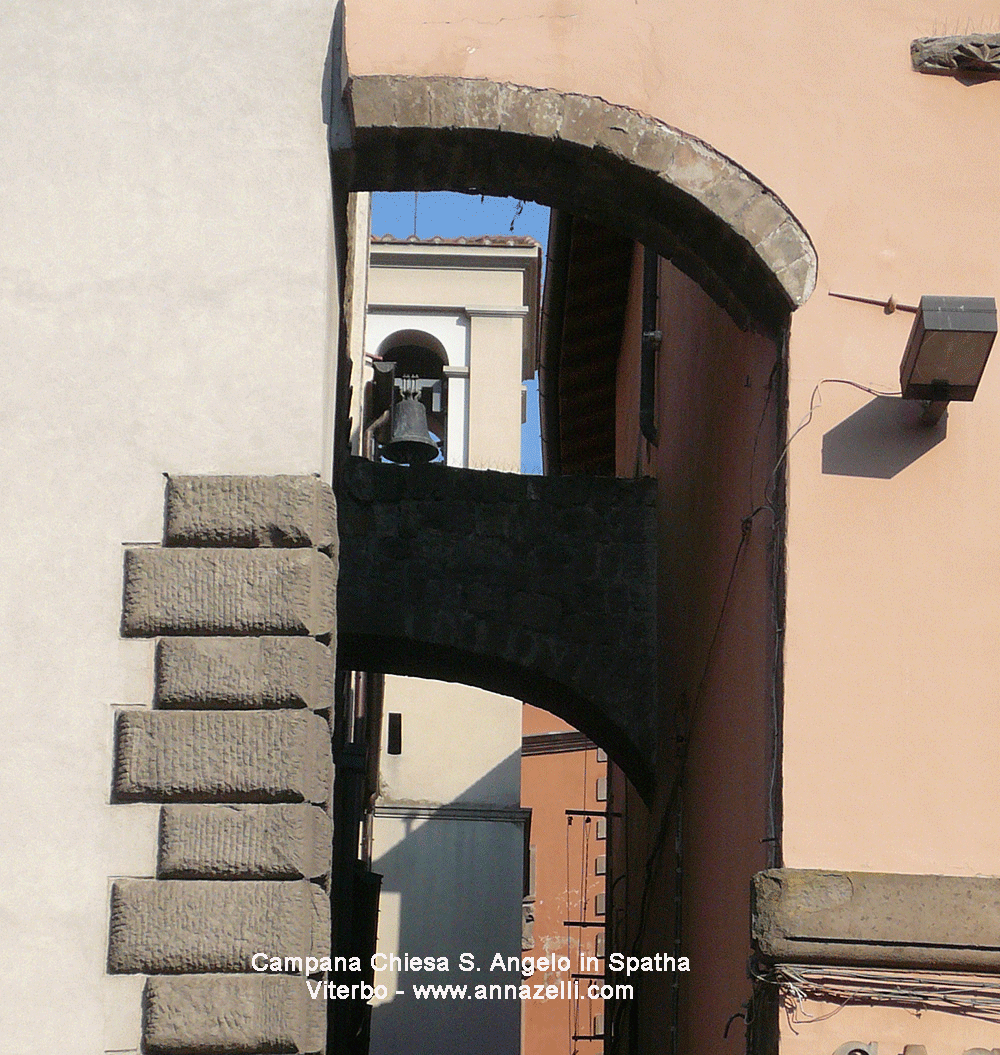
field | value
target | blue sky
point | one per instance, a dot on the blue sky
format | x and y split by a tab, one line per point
451	216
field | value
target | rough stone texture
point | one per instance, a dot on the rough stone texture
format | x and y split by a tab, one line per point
617	166
228	591
244	842
194	926
976	55
258	569
250	511
240	672
540	588
182	1016
877	919
195	1014
222	756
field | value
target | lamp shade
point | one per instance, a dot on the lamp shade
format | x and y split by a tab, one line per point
948	347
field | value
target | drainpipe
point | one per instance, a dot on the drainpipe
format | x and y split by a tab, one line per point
550	335
651	339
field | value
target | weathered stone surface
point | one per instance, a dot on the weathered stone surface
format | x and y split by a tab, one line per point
222	756
654	149
877	919
194	926
527	111
622	132
618	166
411	102
250	511
195	1014
799	274
540	588
974	55
244	842
760	217
371	98
232	673
728	197
482	104
228	591
781	248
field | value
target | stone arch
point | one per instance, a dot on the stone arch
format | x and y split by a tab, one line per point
540	588
610	164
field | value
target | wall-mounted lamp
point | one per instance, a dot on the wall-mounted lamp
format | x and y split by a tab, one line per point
945	356
947	349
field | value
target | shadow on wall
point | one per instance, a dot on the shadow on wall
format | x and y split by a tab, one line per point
453	884
880	440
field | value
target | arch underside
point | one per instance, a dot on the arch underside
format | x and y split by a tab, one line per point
420	659
610	164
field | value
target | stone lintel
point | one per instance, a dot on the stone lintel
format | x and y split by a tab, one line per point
231	1013
244	842
233	673
877	919
250	511
228	592
195	926
222	756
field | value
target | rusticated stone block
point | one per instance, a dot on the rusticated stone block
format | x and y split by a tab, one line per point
411	102
621	132
195	926
583	120
222	756
244	672
244	842
250	511
371	100
877	919
228	591
481	104
224	1013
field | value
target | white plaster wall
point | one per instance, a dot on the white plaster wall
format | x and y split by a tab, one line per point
451	328
460	744
450	886
165	303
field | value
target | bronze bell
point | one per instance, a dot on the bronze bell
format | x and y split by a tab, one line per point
411	442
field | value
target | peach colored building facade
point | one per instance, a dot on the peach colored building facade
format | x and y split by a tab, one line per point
828	615
175	268
564	784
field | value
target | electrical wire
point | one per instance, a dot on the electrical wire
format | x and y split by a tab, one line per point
815	402
977	996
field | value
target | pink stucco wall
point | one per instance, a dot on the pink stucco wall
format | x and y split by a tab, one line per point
717	408
892	618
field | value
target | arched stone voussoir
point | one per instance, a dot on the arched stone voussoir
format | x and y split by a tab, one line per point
615	165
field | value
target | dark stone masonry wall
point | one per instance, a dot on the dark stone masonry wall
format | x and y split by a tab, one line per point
539	588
